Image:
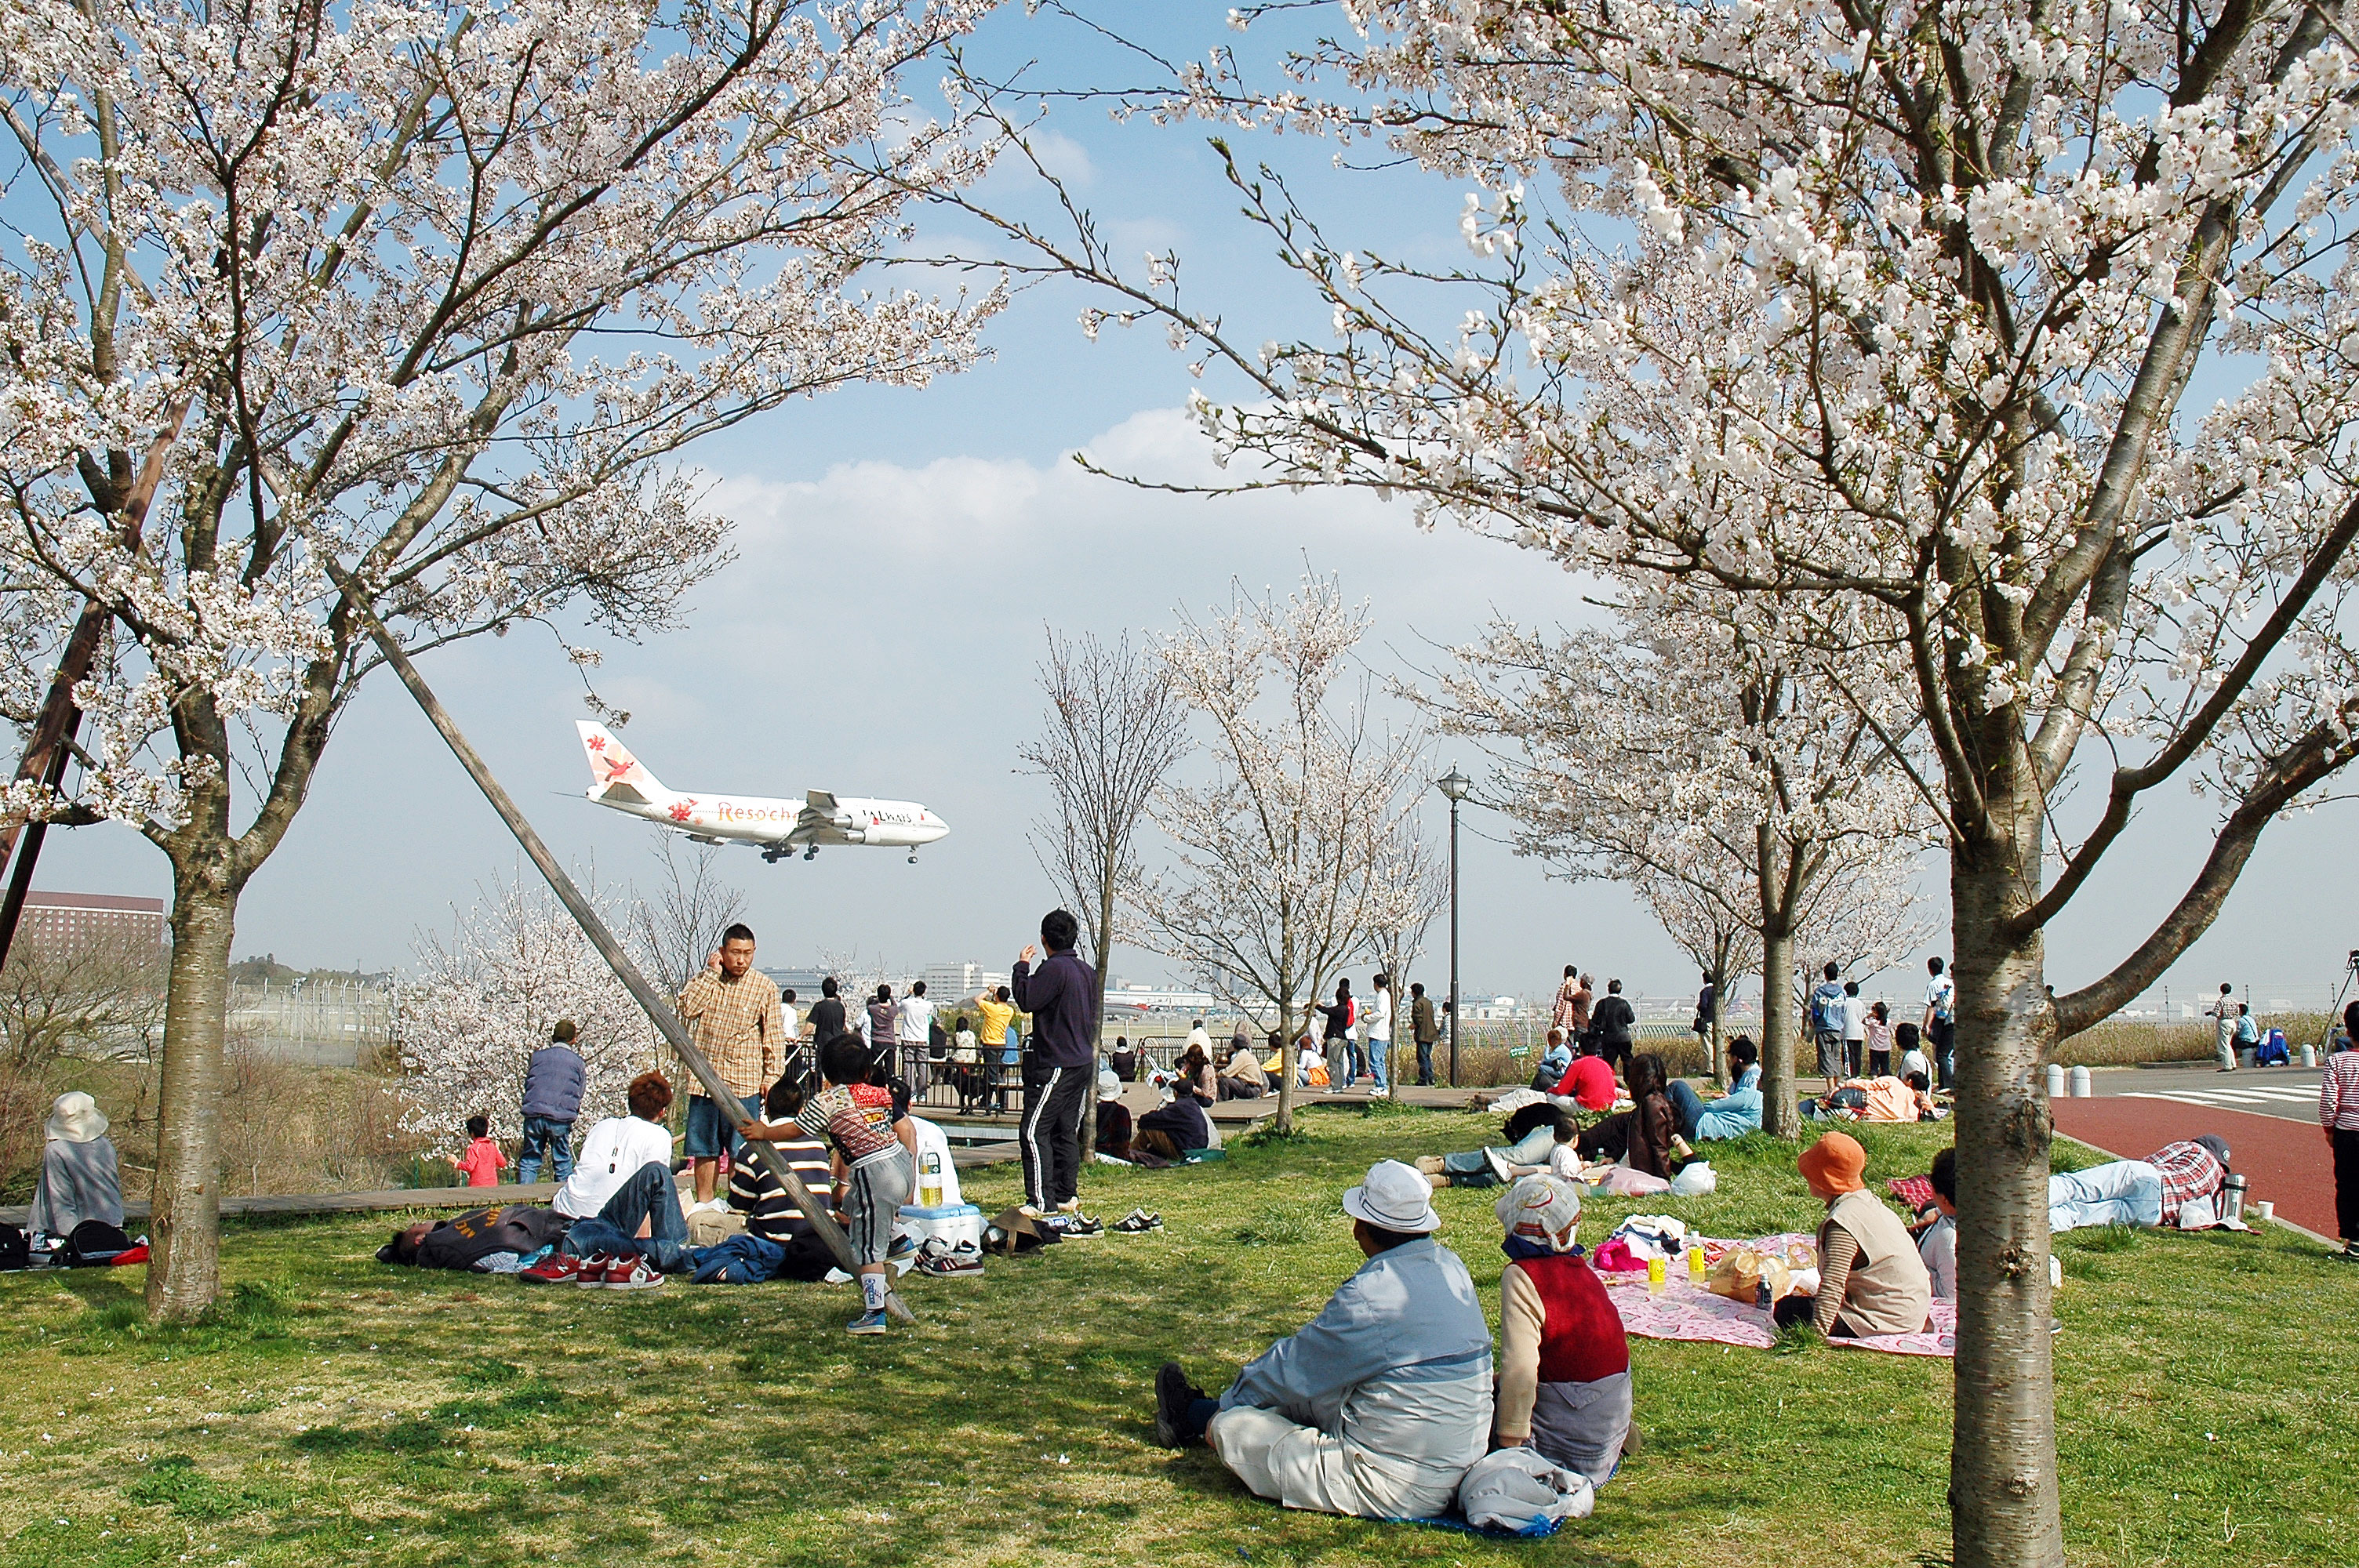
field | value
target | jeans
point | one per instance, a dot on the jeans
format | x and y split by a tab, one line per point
1688	1106
2126	1192
543	1133
1380	1061
1425	1063
1943	1038
649	1195
1354	1061
704	1129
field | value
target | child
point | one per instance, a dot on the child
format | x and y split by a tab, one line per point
1904	1037
874	1163
1877	1029
483	1162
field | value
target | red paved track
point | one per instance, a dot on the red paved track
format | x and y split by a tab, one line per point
2289	1162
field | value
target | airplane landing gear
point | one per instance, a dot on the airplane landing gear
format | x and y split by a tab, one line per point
776	852
811	853
913	860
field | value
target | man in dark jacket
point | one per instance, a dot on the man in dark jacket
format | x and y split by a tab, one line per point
1424	1025
1610	1025
553	1081
466	1240
1059	1059
1177	1129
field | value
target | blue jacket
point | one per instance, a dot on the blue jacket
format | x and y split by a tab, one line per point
553	1081
1736	1113
1061	997
1410	1315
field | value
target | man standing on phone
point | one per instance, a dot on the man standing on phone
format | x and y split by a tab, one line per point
1059	1060
733	1015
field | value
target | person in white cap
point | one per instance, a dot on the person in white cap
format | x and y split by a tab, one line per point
1380	1404
79	1177
1564	1360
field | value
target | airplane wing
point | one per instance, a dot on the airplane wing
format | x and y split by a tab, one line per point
822	801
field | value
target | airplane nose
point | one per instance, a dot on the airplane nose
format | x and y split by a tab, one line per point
935	828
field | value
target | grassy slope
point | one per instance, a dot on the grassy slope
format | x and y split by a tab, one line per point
339	1410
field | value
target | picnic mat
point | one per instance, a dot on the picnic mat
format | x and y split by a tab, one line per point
1682	1310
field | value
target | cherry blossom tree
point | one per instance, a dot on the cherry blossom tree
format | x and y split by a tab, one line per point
1696	757
428	293
1283	862
1113	728
1907	309
486	996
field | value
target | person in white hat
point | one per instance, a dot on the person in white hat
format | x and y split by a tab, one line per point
1380	1404
1564	1360
79	1176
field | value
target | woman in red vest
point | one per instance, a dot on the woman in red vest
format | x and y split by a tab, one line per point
1565	1362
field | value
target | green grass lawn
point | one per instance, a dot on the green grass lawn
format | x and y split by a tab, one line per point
334	1410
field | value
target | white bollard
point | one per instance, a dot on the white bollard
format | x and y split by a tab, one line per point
2055	1080
2082	1088
2310	1056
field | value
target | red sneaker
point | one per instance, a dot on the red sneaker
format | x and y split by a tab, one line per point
593	1269
632	1273
557	1269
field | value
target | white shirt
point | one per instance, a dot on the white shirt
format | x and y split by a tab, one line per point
1939	1247
1856	1018
917	1012
612	1154
1913	1060
1941	995
1380	1016
791	1020
1198	1037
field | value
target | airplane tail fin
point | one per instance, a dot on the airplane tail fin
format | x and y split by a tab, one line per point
614	773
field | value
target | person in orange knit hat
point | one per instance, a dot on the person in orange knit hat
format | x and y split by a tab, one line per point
1871	1280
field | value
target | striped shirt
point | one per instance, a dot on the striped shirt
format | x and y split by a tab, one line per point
857	1118
2189	1172
756	1194
738	1026
2337	1093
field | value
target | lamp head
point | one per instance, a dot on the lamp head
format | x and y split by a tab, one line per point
1454	785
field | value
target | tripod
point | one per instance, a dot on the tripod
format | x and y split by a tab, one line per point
2334	1009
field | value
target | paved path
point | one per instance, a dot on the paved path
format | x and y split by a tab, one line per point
2291	1093
2286	1159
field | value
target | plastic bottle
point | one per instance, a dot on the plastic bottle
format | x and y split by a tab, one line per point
1696	1269
930	1180
1656	1272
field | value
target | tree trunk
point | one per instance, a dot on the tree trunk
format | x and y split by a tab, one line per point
1780	1116
1285	1065
184	1271
1087	1134
2004	1511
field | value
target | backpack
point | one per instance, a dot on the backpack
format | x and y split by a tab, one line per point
1945	1003
15	1249
1825	1004
94	1243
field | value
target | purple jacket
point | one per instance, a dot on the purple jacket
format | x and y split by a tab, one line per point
553	1080
1060	996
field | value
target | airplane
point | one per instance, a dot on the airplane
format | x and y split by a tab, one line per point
778	827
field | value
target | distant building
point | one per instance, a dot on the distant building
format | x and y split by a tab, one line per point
956	982
59	921
804	983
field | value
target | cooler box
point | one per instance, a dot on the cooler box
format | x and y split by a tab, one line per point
954	1223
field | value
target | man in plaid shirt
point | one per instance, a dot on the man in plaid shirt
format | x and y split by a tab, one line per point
2191	1170
733	1015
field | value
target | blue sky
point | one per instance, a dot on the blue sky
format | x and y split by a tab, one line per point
899	554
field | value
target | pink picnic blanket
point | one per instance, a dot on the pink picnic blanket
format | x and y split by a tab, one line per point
1682	1310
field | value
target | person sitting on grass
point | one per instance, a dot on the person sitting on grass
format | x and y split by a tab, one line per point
1174	1131
876	1164
1643	1133
80	1178
1871	1280
1733	1114
769	1213
621	1186
1538	1137
1587	1083
1376	1407
1938	1242
1552	1063
1565	1361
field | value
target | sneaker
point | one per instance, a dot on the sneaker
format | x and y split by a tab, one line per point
557	1269
1380	1092
903	1246
944	1261
710	1206
867	1322
631	1273
1499	1167
592	1271
1070	1205
1173	1394
1079	1227
1138	1222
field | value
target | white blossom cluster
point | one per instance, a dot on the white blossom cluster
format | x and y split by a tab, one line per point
434	291
485	996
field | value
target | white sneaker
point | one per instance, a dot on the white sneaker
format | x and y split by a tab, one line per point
710	1206
1380	1092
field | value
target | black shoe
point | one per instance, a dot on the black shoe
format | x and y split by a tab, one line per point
1172	1394
2350	1253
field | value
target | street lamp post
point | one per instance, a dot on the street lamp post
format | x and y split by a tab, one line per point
1454	785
